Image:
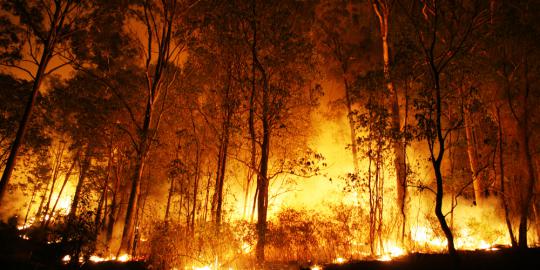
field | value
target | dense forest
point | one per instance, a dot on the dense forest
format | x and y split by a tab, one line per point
221	134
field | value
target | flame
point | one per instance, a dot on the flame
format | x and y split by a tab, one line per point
202	268
394	250
384	258
340	260
121	258
315	267
66	259
246	248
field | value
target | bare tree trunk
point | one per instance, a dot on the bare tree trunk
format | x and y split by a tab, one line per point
84	165
168	207
262	176
66	179
262	206
30	203
102	204
529	179
207	196
382	10
195	190
437	162
352	128
113	208
127	234
504	198
472	153
224	145
56	171
251	120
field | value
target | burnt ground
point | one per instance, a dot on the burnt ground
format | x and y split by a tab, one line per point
17	253
506	259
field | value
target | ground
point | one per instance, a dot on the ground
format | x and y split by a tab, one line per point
20	254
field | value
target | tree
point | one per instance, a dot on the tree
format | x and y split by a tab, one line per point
44	27
516	72
280	54
162	21
444	30
383	9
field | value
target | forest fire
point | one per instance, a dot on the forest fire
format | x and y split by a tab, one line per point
250	134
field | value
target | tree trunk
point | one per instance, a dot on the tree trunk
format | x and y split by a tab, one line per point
56	171
504	197
127	234
113	208
82	175
472	153
382	10
262	206
352	128
195	191
437	162
527	187
66	179
220	179
30	203
168	207
207	196
102	204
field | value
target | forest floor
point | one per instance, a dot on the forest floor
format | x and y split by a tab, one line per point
18	253
505	258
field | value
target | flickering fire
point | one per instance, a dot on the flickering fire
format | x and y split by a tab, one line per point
121	258
202	268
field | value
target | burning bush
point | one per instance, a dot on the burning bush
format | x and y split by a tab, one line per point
174	245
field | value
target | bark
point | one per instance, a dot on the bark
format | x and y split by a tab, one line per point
251	120
504	197
222	164
472	152
30	203
437	162
262	175
133	201
228	107
207	196
168	207
529	179
262	200
113	211
195	190
49	45
84	166
350	118
102	204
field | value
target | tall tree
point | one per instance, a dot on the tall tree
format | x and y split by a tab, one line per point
383	9
280	49
444	30
162	22
43	27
